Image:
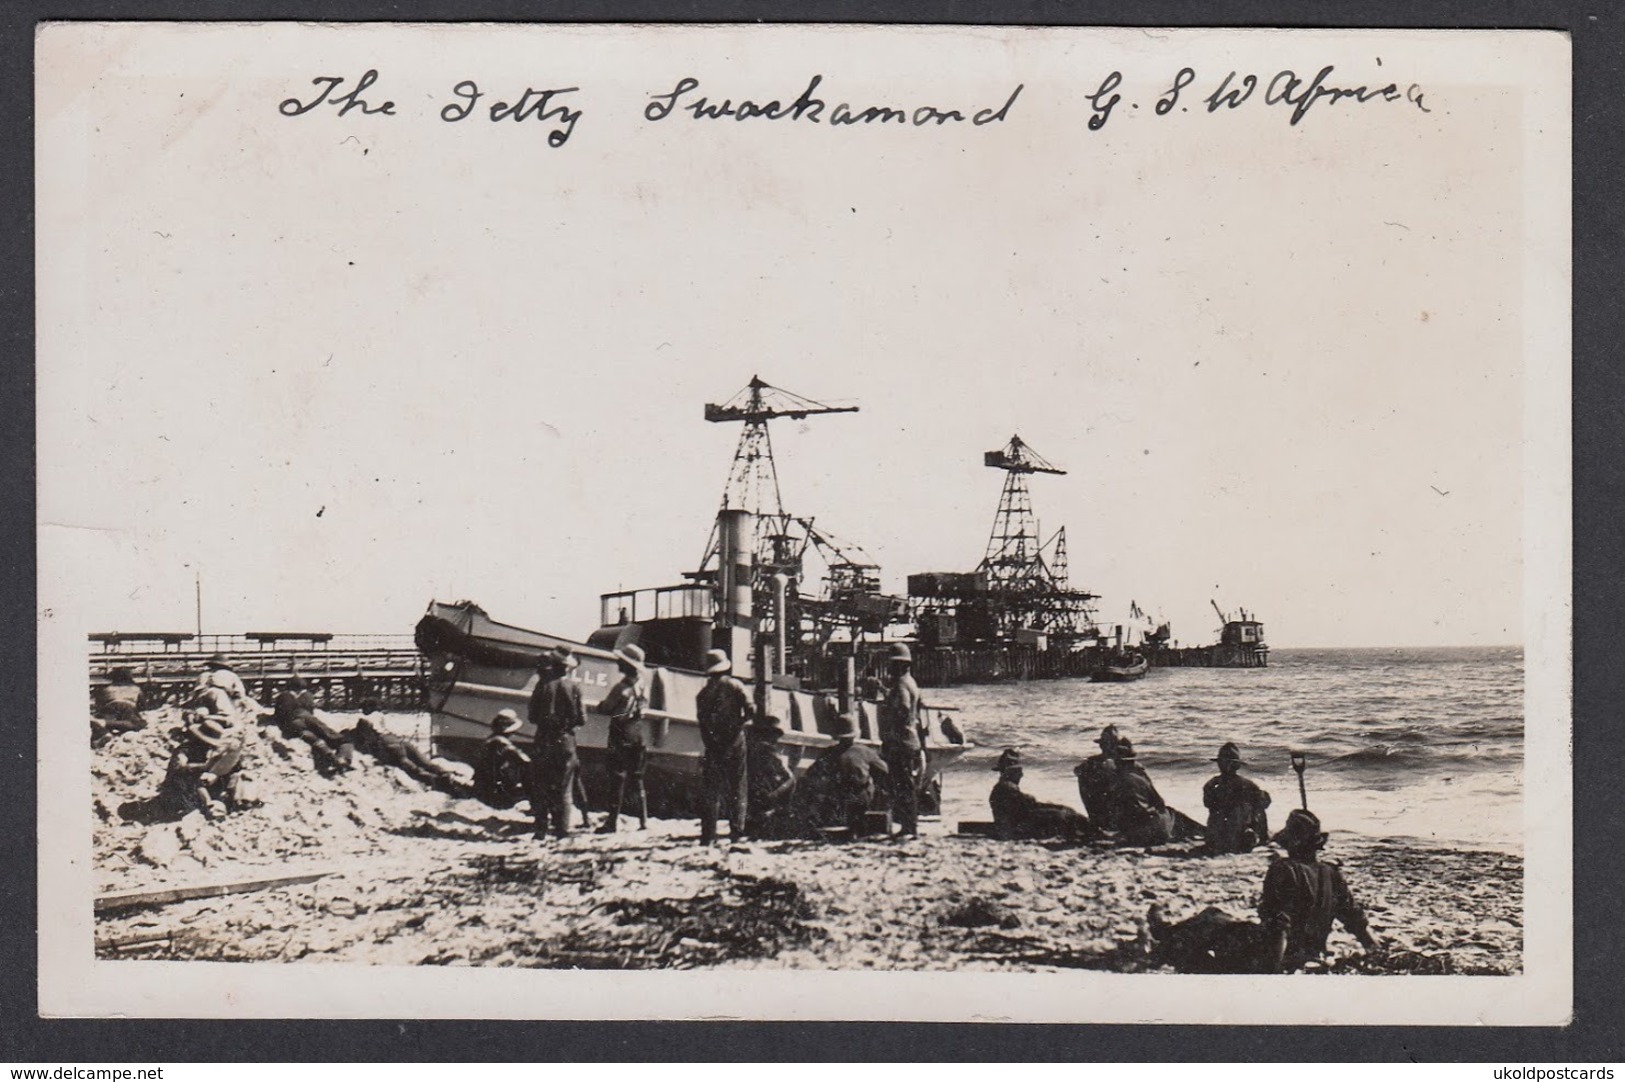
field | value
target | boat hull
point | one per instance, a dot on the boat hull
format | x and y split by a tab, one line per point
478	666
1121	674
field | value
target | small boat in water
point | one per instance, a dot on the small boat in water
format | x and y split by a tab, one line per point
1121	670
477	666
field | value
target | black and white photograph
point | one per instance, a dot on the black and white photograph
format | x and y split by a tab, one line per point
804	522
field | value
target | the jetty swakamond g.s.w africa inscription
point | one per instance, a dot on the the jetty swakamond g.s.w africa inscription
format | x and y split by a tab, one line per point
554	507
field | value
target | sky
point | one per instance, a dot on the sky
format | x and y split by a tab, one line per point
340	366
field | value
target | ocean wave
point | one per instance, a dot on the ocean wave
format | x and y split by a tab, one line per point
1409	756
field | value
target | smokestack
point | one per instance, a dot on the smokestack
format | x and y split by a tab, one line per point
736	563
780	585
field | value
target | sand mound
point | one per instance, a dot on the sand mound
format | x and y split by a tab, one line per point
303	815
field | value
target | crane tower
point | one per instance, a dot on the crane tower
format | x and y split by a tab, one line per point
1020	590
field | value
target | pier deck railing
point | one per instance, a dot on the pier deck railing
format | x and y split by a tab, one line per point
343	670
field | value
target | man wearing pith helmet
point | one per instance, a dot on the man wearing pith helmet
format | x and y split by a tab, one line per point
555	711
900	739
840	785
502	773
626	752
723	709
1309	892
772	783
1237	820
1097	776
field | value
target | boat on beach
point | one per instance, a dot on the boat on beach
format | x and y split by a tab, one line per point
754	597
478	666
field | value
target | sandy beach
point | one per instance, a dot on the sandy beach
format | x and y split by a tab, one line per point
412	877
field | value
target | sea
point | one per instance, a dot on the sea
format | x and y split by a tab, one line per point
1414	744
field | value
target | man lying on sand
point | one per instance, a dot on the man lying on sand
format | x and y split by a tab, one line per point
1302	897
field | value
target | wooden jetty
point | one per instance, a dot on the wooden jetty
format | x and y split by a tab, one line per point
343	670
1216	656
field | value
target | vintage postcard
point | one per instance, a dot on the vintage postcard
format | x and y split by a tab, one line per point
804	522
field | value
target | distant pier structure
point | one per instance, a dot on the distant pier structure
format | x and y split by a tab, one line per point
1241	645
1019	595
343	670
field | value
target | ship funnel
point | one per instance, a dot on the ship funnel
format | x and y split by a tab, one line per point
736	566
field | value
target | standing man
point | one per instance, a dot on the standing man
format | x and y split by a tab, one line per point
723	707
900	740
555	711
1237	821
625	704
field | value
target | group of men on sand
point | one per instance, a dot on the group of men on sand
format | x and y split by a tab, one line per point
745	777
1302	895
1121	803
206	771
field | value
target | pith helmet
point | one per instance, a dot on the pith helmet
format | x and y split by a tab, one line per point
769	726
1302	828
899	654
1009	759
1108	738
716	661
1230	754
217	661
846	726
1125	750
505	722
632	654
560	657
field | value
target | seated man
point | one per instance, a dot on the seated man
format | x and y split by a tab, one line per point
1138	811
1097	776
204	769
1310	893
221	691
1302	897
1021	815
503	772
772	783
1141	816
118	708
840	785
397	751
1237	820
